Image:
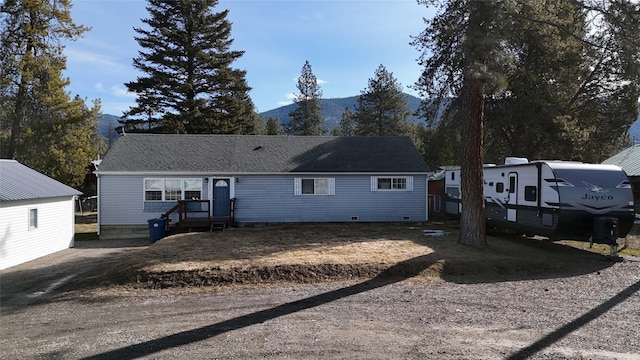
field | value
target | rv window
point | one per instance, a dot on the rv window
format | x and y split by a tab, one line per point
530	193
453	192
499	187
453	175
512	185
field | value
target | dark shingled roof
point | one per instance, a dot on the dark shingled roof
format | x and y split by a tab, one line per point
19	182
261	154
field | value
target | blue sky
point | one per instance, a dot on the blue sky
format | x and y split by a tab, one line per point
344	40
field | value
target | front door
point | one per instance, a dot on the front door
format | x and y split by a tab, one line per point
512	200
221	197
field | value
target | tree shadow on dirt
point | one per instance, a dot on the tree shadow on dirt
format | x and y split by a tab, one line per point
576	324
396	273
45	278
393	274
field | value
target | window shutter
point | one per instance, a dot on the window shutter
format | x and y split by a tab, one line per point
297	186
374	183
409	183
332	186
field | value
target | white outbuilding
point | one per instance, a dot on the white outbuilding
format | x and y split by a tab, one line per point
37	214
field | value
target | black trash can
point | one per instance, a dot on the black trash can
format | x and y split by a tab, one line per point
156	229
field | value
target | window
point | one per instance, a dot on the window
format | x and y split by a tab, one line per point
404	183
153	189
499	187
33	219
172	189
512	184
314	186
192	189
530	193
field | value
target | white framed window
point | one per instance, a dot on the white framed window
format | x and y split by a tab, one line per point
153	189
172	189
192	189
33	218
392	183
314	186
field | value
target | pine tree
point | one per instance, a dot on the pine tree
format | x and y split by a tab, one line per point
189	84
382	107
306	118
47	130
347	123
540	69
274	126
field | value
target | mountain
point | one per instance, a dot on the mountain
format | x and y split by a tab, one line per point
332	110
107	125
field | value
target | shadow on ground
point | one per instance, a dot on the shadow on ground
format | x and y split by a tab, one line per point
100	264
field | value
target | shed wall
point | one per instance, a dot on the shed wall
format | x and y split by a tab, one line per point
55	231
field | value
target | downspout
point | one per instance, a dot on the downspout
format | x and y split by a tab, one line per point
539	195
98	202
426	207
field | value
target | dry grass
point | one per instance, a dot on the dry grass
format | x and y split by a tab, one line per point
330	252
86	226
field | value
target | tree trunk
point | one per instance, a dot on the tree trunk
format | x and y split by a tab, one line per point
472	223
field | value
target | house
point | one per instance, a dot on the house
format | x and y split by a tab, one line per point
37	215
259	179
629	160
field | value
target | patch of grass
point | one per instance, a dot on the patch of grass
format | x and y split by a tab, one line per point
329	252
86	227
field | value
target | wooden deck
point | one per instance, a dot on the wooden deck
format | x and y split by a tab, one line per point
196	214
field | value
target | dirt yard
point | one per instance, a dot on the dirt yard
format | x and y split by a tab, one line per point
321	291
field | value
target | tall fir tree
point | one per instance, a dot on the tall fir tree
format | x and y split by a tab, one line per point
46	129
306	118
556	68
189	84
382	107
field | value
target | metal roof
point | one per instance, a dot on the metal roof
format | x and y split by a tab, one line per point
628	159
261	154
19	182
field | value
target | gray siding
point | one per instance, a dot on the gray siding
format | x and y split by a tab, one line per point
261	198
272	199
121	201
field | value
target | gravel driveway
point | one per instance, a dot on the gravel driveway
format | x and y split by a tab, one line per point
591	316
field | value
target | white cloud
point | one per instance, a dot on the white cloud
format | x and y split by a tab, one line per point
290	97
91	58
120	92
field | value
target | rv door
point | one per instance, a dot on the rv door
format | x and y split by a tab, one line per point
512	197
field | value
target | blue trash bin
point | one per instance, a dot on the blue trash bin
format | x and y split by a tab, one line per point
156	229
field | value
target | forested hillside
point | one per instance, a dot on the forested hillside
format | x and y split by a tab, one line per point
332	110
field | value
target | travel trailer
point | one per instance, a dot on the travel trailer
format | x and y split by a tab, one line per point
553	199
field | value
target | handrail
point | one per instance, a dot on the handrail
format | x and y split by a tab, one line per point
171	211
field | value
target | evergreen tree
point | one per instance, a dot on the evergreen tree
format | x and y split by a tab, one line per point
46	129
274	126
306	118
382	107
347	123
551	77
189	84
